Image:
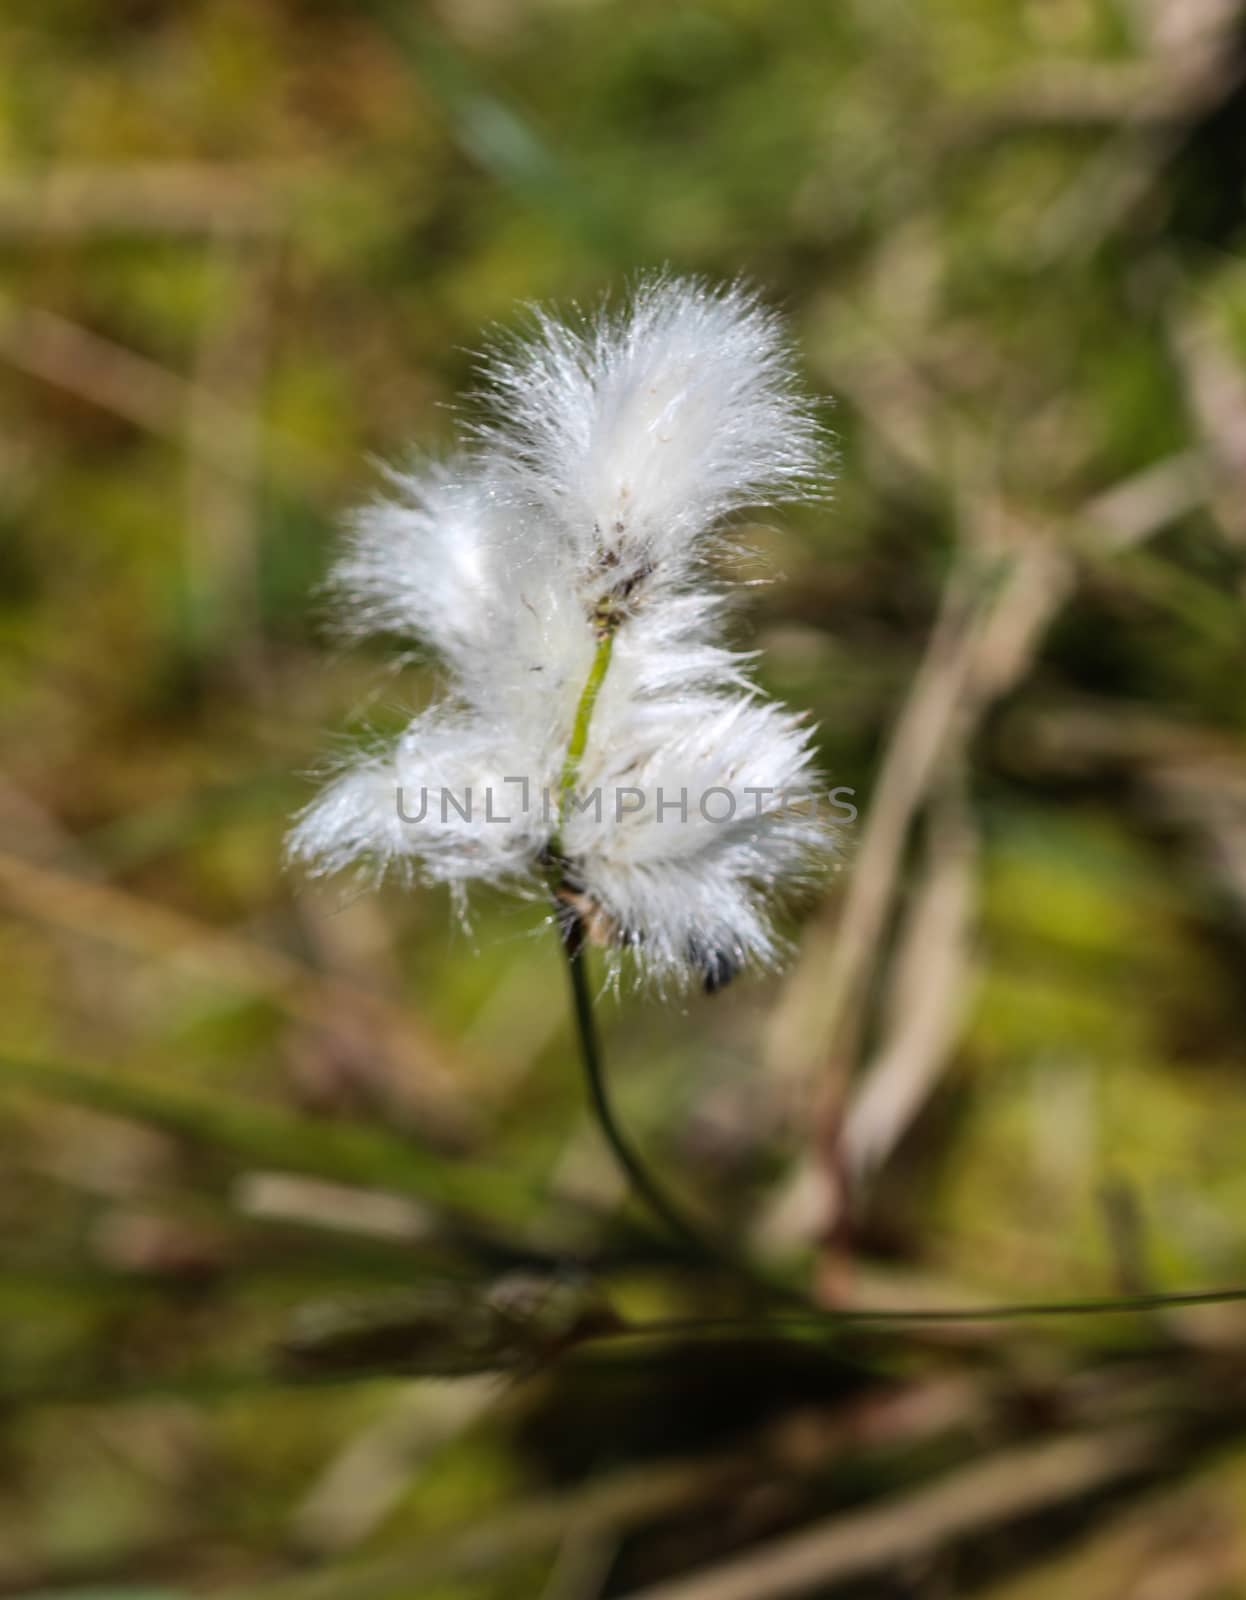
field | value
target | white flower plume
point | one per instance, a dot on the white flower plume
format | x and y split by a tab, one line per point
597	736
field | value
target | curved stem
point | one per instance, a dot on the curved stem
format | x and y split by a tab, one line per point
832	1317
642	1181
663	1207
574	940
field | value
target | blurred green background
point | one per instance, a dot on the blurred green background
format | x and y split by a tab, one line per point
309	1248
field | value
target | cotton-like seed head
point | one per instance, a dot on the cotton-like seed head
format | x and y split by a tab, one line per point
571	540
423	564
638	430
728	823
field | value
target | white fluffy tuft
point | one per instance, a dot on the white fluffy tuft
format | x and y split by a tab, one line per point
587	510
637	431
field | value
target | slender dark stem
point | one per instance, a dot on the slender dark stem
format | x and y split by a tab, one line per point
641	1180
830	1319
573	939
663	1207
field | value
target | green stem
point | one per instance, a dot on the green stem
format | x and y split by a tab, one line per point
1013	1311
642	1181
574	941
579	728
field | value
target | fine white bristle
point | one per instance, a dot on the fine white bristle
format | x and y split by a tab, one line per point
586	509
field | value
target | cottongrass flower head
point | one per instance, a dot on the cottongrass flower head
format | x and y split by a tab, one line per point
596	737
